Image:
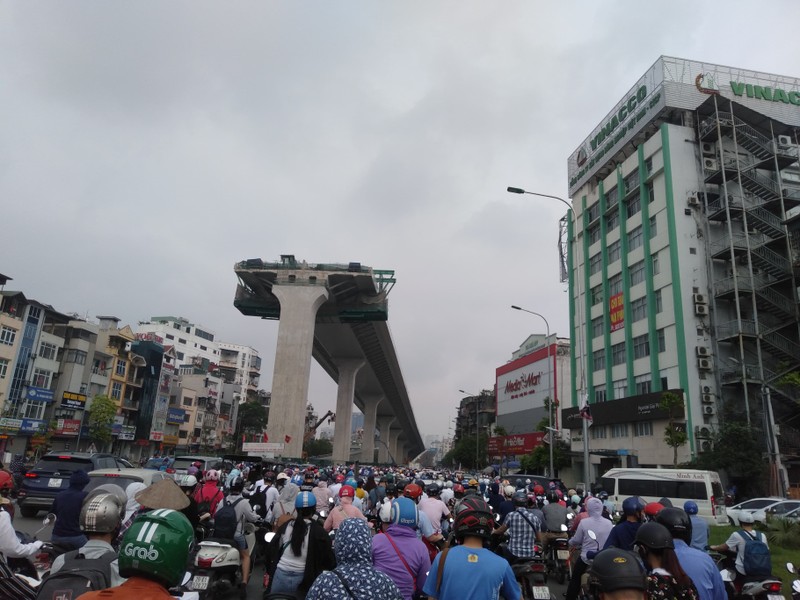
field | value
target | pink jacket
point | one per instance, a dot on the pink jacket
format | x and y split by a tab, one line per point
345	510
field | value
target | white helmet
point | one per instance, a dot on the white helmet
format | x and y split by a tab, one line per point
385	512
509	491
448	484
187	482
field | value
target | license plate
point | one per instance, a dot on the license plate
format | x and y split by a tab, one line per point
541	592
563	554
54	483
200	582
774	597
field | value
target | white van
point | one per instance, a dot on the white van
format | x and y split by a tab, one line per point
678	485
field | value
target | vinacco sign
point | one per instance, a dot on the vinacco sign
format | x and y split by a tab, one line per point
759	92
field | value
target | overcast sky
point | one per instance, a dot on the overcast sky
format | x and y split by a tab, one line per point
145	147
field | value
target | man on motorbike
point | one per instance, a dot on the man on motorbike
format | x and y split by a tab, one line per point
67	507
555	515
152	556
244	513
523	528
10	546
699	526
434	508
345	510
623	534
737	543
601	527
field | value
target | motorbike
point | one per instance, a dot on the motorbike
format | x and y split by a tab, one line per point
795	583
36	567
761	588
558	563
217	565
585	592
530	572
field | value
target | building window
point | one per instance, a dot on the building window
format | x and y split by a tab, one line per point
3	368
34	410
635	238
7	335
594	233
599	360
643	429
76	356
643	384
598	326
612	221
598	433
179	355
656	265
612	198
620	389
169	336
121	366
619	430
187	400
595	263
41	378
659	303
116	390
648	165
181	341
632	181
597	294
47	351
636	273
634	206
599	395
613	252
593	212
618	353
203	347
662	340
651	192
638	309
641	346
615	284
653	227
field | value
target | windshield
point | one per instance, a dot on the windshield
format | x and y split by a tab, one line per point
55	463
122	482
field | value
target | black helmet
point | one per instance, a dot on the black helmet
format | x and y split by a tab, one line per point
520	498
615	569
237	485
391	488
676	521
473	517
432	490
654	536
552	497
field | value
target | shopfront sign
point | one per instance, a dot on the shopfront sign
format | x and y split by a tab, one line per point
175	416
73	400
39	394
14	424
32	426
68	427
762	92
515	445
156	436
261	448
171	440
646	407
127	432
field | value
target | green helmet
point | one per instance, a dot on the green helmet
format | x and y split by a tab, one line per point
157	546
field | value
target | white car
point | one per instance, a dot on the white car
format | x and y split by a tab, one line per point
756	506
782	509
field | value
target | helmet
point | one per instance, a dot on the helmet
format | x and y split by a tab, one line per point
473	517
432	489
632	505
212	475
508	491
538	490
690	506
6	482
746	517
552	497
458	490
665	502
391	488
269	476
575	499
651	509
352	483
305	500
157	546
296	479
109	488
413	491
654	536
677	522
101	513
237	485
346	491
448	484
187	482
615	569
197	464
385	511
404	512
602	495
520	498
339	478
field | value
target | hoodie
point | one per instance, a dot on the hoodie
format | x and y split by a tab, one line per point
386	558
67	506
595	522
322	494
354	570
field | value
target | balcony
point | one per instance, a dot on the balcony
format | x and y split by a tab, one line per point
129	404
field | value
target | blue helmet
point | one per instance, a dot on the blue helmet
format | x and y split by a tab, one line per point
305	500
352	483
632	505
690	506
404	512
297	480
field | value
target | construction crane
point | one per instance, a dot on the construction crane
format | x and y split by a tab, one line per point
312	430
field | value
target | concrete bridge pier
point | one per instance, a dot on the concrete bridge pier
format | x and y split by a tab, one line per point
394	436
348	369
385	427
371	403
287	411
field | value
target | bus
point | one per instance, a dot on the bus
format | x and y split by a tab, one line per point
678	485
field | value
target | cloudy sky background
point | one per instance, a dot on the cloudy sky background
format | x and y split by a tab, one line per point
146	147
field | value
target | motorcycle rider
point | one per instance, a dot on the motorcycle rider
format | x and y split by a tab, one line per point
152	556
210	492
523	528
427	530
469	570
244	513
188	484
698	565
434	508
617	575
737	542
10	546
623	534
699	526
400	541
555	515
345	510
666	578
67	507
602	528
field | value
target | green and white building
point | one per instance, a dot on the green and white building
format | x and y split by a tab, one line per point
678	260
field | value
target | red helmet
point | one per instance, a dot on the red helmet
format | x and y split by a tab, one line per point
538	490
6	483
458	490
652	509
347	491
413	491
339	478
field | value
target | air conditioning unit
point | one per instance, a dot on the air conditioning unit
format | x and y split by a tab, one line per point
700	309
703	351
784	141
711	164
128	346
693	200
708	411
707	398
700	298
706	389
709	148
704	447
704	364
702	432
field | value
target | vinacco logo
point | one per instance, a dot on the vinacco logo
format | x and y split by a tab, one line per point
759	92
582	156
706	83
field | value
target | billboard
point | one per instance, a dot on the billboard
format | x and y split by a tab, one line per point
73	400
515	445
625	410
175	416
522	384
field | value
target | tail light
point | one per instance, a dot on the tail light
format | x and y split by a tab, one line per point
31	475
773	586
537	548
170	471
713	507
204	563
537	567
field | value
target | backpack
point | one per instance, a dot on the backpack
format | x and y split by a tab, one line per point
225	520
77	576
204	506
756	559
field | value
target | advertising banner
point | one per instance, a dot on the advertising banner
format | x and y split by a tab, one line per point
645	407
39	394
522	384
157	436
127	432
73	400
175	416
170	440
32	426
616	310
68	427
517	445
261	448
14	424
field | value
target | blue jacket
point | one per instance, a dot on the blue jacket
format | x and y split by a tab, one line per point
701	569
67	507
622	535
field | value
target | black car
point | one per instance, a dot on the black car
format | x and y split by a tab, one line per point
51	475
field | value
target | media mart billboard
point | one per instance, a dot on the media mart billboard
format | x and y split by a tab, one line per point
522	384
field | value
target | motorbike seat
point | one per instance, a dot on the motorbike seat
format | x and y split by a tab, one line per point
227	541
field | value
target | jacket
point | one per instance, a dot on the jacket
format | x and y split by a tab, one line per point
385	558
345	510
135	588
594	521
318	559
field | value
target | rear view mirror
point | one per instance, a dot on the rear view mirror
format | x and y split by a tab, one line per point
591	534
268	536
563	527
790	567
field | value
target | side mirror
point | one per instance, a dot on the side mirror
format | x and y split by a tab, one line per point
790	567
256	507
570	516
726	575
591	534
563	527
186	577
268	536
51	517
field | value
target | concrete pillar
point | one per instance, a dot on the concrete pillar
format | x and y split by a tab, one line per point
385	426
393	437
348	369
371	403
299	305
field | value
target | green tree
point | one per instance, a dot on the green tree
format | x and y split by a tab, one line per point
464	453
101	417
252	418
736	449
675	434
321	447
539	460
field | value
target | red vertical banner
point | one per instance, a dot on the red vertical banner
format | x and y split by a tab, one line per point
616	310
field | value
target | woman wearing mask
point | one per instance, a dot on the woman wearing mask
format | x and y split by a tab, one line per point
300	550
666	579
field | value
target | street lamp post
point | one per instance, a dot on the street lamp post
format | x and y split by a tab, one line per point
477	431
584	397
549	383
